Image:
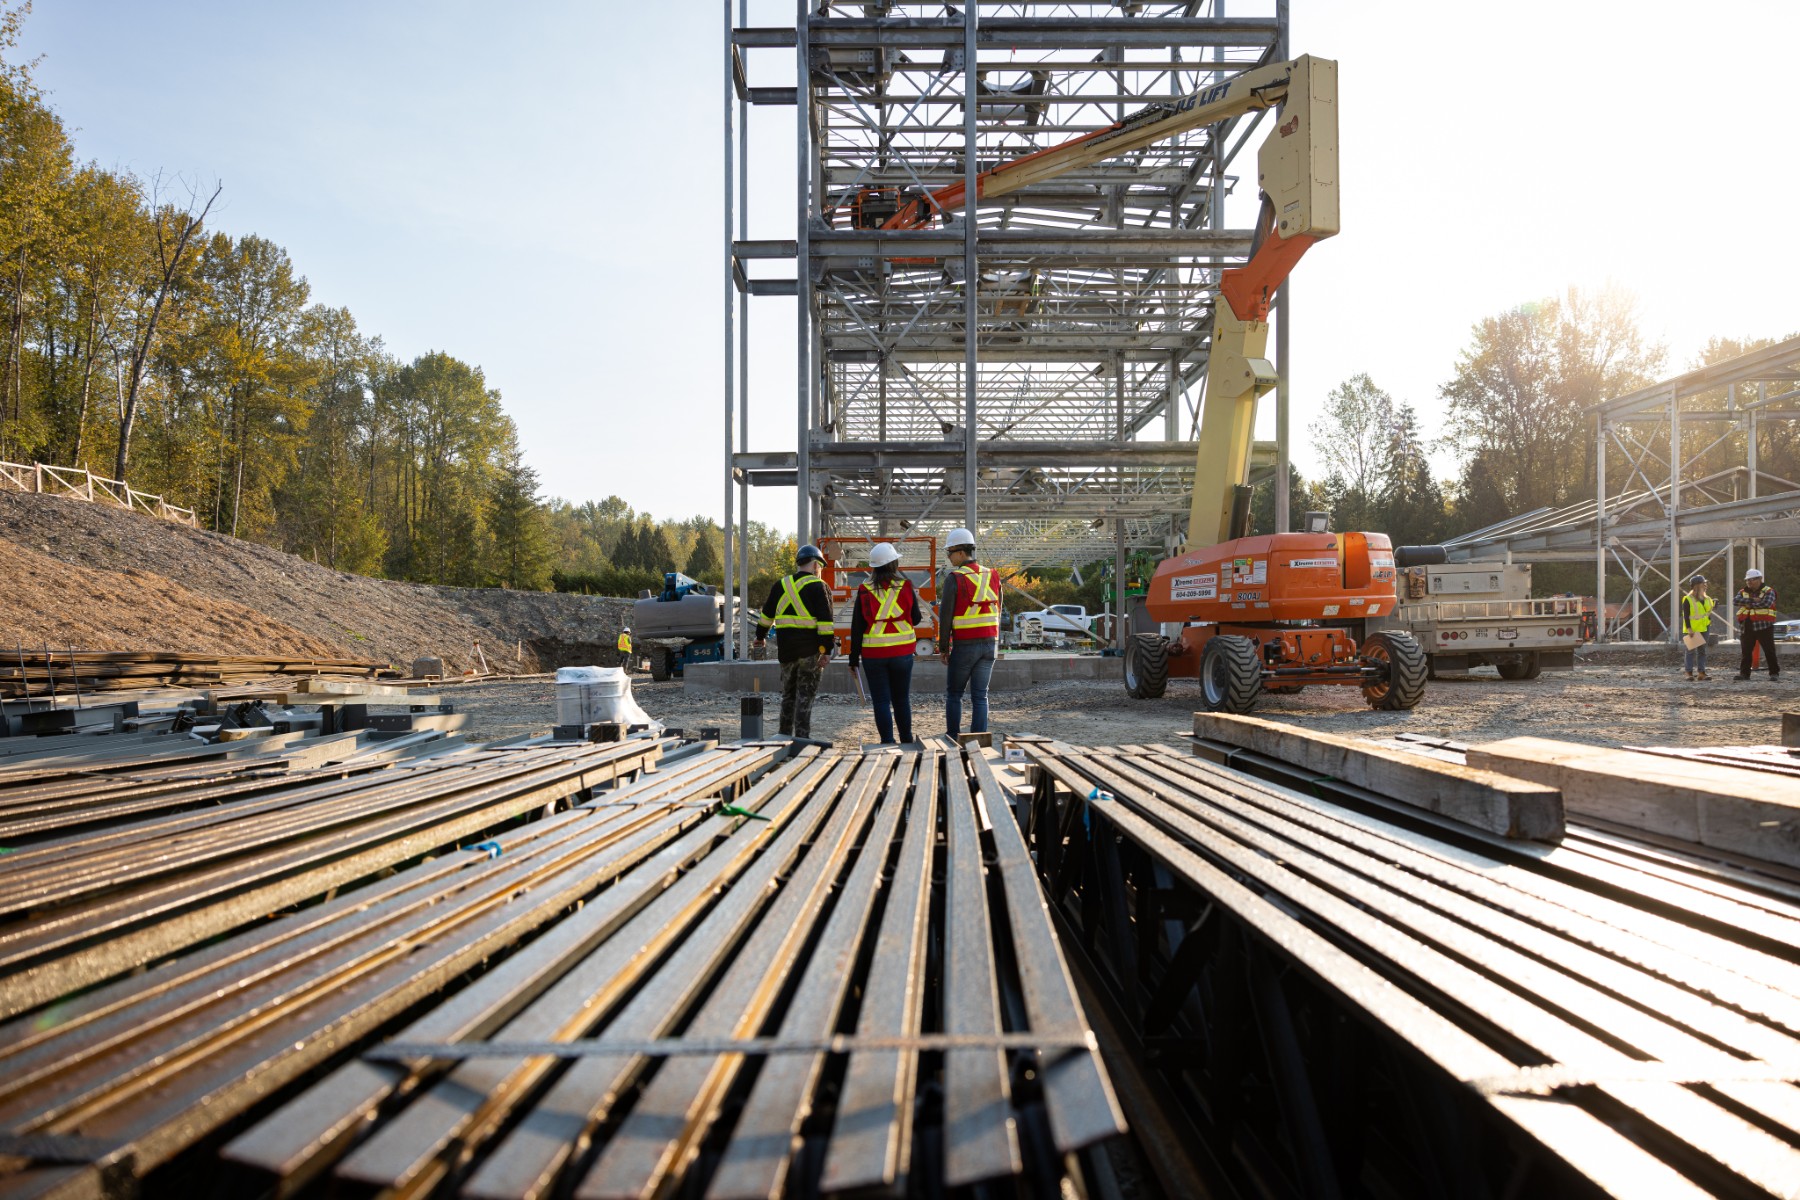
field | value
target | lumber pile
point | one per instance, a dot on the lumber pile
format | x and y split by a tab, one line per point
1738	809
1486	799
25	673
1335	994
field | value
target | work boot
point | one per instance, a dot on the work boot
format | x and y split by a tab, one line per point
1690	676
1703	676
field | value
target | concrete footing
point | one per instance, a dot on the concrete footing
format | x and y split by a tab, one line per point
1014	670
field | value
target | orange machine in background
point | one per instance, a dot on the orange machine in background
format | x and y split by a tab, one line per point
847	567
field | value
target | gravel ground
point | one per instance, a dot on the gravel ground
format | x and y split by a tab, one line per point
1608	703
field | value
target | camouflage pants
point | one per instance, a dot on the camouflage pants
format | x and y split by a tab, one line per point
799	686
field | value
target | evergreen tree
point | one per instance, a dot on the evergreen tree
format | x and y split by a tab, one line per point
704	562
521	539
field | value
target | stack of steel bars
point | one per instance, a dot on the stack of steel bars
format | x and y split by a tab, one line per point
107	870
61	672
838	977
1322	1000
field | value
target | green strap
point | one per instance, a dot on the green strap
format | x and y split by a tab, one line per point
732	810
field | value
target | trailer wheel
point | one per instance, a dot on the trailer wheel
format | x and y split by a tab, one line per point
662	664
1531	668
1230	674
1407	666
1146	666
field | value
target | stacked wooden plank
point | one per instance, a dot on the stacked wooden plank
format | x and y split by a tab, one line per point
1343	1000
28	673
774	995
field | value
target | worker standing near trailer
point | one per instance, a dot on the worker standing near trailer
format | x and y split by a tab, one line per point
1756	623
968	632
625	647
883	639
799	611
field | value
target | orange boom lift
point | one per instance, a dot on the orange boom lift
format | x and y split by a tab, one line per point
1273	613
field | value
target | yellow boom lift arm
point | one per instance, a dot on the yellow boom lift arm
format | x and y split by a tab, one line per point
1297	174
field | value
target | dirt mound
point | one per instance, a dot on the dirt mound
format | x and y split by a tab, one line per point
62	606
239	597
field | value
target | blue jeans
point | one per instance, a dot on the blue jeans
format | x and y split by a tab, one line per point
971	666
1695	659
890	691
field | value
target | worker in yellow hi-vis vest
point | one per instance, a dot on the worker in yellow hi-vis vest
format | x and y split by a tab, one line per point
799	611
625	647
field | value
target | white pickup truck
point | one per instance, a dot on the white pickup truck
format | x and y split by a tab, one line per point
1468	615
1058	623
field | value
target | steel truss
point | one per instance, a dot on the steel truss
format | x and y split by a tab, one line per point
1093	292
1670	520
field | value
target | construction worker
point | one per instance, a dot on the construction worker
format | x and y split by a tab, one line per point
1696	619
625	647
799	611
968	632
883	639
1756	623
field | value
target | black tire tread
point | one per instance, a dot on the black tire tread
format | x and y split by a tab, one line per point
1409	666
1148	653
1244	673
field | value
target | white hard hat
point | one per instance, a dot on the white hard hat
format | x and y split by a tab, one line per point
882	553
958	539
1753	573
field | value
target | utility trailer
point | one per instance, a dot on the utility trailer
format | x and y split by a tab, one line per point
1468	615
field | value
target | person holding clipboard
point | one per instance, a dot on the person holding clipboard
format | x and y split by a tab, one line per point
1696	620
883	639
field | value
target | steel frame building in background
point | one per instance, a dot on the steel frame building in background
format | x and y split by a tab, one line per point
1032	370
1670	517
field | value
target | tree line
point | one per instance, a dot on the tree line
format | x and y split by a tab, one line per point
1518	429
144	344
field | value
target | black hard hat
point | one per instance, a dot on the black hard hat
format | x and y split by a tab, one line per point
809	553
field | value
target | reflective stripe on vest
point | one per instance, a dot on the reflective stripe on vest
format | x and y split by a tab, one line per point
980	613
1697	614
890	626
1757	606
790	610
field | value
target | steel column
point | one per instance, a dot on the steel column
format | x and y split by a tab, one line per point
971	274
803	341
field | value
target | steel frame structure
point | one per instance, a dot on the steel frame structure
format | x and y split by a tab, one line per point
1064	424
1671	517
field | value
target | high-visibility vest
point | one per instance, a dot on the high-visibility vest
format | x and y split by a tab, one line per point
625	642
790	610
977	611
889	634
1758	606
1696	615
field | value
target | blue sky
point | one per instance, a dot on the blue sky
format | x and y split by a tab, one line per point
535	188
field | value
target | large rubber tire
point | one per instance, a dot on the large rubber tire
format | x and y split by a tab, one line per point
662	664
1407	667
1231	674
1146	666
1531	668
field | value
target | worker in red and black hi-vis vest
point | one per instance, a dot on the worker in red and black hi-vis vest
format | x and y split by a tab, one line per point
1756	623
883	638
968	632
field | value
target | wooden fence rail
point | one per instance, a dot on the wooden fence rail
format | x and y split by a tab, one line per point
82	484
